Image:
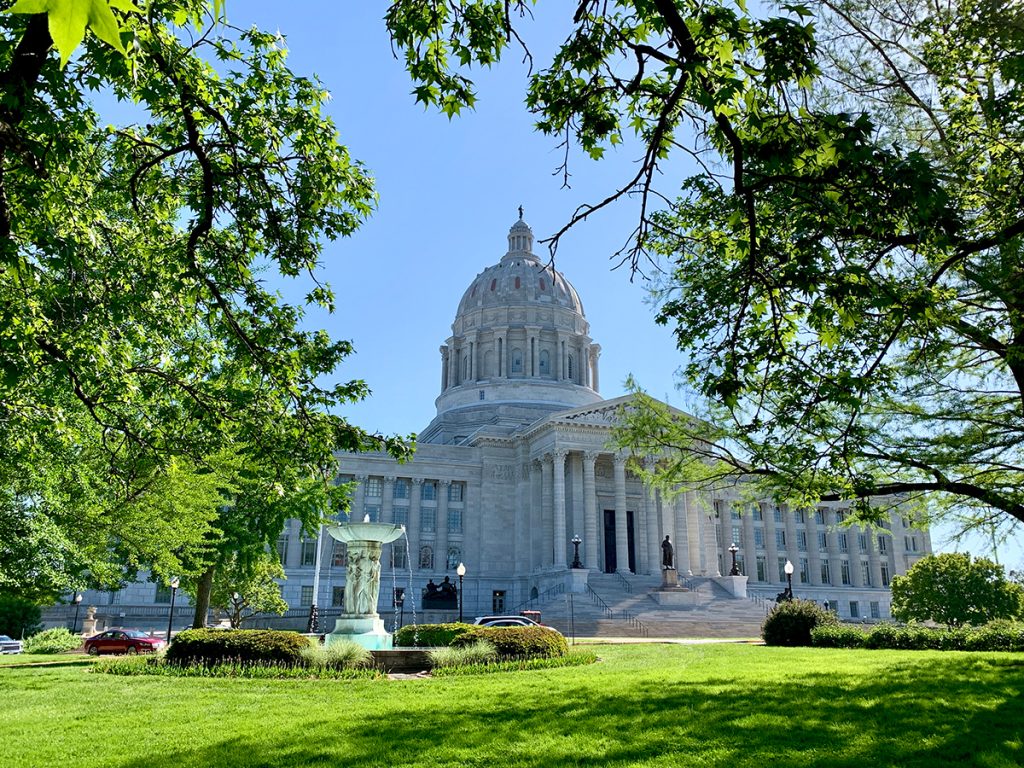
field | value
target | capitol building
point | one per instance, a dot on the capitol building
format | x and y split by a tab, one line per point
518	462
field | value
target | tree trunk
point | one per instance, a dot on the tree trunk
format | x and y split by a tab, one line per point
203	589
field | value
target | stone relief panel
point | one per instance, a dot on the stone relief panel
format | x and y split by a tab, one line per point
504	472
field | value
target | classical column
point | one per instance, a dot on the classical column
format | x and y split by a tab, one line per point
358	499
556	362
413	531
574	511
521	516
560	539
853	534
589	511
874	562
387	504
444	368
769	543
595	354
813	551
832	535
453	376
585	365
692	532
650	513
441	536
547	502
749	546
472	361
536	513
621	541
792	552
506	356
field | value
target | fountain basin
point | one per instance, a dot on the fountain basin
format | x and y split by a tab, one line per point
383	533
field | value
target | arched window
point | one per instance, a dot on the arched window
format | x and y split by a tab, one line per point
571	368
545	362
454	557
465	368
517	360
534	594
494	283
517	282
426	557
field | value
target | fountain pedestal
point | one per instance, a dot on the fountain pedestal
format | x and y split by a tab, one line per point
360	623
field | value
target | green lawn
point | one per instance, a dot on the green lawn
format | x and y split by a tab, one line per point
642	705
36	658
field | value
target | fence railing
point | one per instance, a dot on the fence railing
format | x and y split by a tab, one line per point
542	598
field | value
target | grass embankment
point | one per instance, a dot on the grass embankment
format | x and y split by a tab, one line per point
649	705
14	659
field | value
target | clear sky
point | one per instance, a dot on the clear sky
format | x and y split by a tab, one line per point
449	191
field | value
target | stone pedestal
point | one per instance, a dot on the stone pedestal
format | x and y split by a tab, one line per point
578	580
366	630
735	585
89	624
670	593
670	579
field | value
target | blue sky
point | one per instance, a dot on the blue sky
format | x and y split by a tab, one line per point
448	194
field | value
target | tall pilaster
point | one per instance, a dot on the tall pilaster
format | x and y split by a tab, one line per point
650	514
441	537
444	367
692	533
749	546
547	519
521	516
832	536
413	532
589	511
792	553
558	468
854	532
358	498
814	553
874	561
771	549
387	504
536	513
621	533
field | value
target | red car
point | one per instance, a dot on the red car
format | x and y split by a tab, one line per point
129	641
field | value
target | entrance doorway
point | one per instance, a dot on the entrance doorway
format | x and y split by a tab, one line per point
610	556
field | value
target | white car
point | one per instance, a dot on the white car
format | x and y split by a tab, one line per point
505	621
9	645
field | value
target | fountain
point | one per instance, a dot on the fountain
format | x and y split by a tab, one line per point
360	622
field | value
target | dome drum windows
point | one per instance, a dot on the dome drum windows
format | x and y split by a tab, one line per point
517	360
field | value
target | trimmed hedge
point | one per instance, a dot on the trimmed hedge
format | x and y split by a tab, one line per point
517	642
247	646
55	640
429	635
790	623
997	636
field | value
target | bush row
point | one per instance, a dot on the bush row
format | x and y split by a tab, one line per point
247	646
517	642
56	640
790	623
997	636
571	659
134	666
429	635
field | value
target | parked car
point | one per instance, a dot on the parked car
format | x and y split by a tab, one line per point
129	641
9	645
505	621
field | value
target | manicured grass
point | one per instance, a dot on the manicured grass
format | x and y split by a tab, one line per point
35	658
642	705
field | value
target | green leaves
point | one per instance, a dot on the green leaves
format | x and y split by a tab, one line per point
68	20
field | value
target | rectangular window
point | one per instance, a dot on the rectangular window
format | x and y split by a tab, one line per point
401	516
844	571
737	535
282	549
778	513
759	538
780	539
163	594
883	544
822	541
429	490
401	488
339	554
801	518
801	540
398	555
782	569
337	596
454	521
911	543
854	609
455	491
757	512
862	542
805	571
844	545
906	523
428	520
741	564
309	551
841	515
826	575
306	597
865	573
374	487
735	512
876	613
762	568
373	510
819	516
885	574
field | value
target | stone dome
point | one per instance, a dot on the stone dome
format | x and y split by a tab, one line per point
520	349
520	278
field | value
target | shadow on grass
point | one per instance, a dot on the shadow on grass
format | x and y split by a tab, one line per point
953	710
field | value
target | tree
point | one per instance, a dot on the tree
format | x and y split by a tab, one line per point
954	590
243	590
137	335
843	273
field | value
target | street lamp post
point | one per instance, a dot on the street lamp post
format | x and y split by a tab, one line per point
175	583
788	568
78	602
733	549
461	570
576	541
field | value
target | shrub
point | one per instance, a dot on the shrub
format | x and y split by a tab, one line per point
131	666
517	642
340	655
996	636
571	659
18	617
837	636
480	652
56	640
429	635
790	623
246	646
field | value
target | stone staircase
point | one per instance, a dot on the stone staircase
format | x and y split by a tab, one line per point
622	606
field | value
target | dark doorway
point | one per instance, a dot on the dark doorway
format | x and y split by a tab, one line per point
610	558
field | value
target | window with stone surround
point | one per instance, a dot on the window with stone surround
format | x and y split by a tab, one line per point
426	557
780	539
762	568
454	558
282	549
805	571
374	487
308	552
865	573
782	569
401	488
822	541
844	571
373	510
306	595
876	612
339	555
844	544
401	515
854	609
398	555
826	573
455	520
428	519
456	491
801	540
777	512
429	490
759	538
